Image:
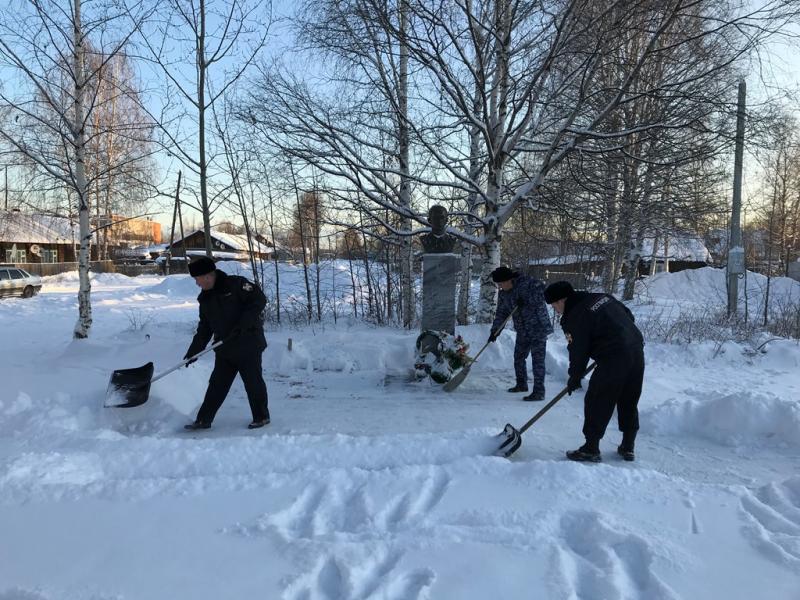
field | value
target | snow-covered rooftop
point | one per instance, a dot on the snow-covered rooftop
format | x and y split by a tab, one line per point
567	259
21	228
233	240
677	247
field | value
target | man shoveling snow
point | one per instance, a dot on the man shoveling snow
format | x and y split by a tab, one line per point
600	327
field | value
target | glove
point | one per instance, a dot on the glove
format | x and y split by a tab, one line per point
520	302
573	384
493	337
193	360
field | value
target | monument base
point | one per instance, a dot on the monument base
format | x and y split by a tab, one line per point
439	273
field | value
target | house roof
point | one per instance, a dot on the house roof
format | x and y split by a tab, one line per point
26	228
232	240
566	259
681	247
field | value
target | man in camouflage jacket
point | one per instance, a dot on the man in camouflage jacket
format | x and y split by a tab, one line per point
525	297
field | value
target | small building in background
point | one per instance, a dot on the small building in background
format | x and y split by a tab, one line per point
29	238
578	270
673	254
225	246
126	232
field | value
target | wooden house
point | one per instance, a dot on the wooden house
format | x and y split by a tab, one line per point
36	238
225	246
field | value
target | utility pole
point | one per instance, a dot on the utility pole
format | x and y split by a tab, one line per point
735	249
172	229
6	187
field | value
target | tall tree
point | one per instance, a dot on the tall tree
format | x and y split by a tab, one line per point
45	43
220	39
501	93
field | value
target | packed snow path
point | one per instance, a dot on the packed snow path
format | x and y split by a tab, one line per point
368	486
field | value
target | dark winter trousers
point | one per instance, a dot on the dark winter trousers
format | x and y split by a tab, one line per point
225	370
615	382
536	348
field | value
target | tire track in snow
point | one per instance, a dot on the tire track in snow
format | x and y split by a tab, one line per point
772	515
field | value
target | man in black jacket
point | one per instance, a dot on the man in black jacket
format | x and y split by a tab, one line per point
230	310
599	327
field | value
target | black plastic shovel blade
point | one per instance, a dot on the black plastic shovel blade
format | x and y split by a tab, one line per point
456	380
511	441
129	387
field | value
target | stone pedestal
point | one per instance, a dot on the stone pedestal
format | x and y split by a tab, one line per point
439	273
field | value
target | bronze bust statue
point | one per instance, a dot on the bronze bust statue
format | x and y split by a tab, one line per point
438	241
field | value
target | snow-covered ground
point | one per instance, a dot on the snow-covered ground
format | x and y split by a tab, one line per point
367	486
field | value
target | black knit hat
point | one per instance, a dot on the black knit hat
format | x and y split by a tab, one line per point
558	290
503	274
201	266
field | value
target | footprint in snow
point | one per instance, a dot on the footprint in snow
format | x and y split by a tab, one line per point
598	562
370	575
344	510
772	515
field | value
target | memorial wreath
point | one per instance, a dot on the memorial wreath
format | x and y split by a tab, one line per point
440	361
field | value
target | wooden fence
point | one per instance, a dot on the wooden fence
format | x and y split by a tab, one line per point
96	266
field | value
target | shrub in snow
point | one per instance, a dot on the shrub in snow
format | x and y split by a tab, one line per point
138	319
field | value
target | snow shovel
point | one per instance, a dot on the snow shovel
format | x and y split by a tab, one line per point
513	436
459	377
131	387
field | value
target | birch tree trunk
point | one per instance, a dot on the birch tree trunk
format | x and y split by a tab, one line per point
488	295
497	108
475	168
317	227
611	224
84	322
274	254
408	298
462	310
636	211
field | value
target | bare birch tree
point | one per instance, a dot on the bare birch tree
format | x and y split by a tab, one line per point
45	45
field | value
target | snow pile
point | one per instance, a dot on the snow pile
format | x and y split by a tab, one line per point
176	286
107	279
708	287
739	419
356	351
783	354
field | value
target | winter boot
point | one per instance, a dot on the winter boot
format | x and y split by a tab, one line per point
197	425
259	423
625	449
626	453
520	387
589	452
537	395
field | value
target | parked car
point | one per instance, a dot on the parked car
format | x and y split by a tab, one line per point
18	282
